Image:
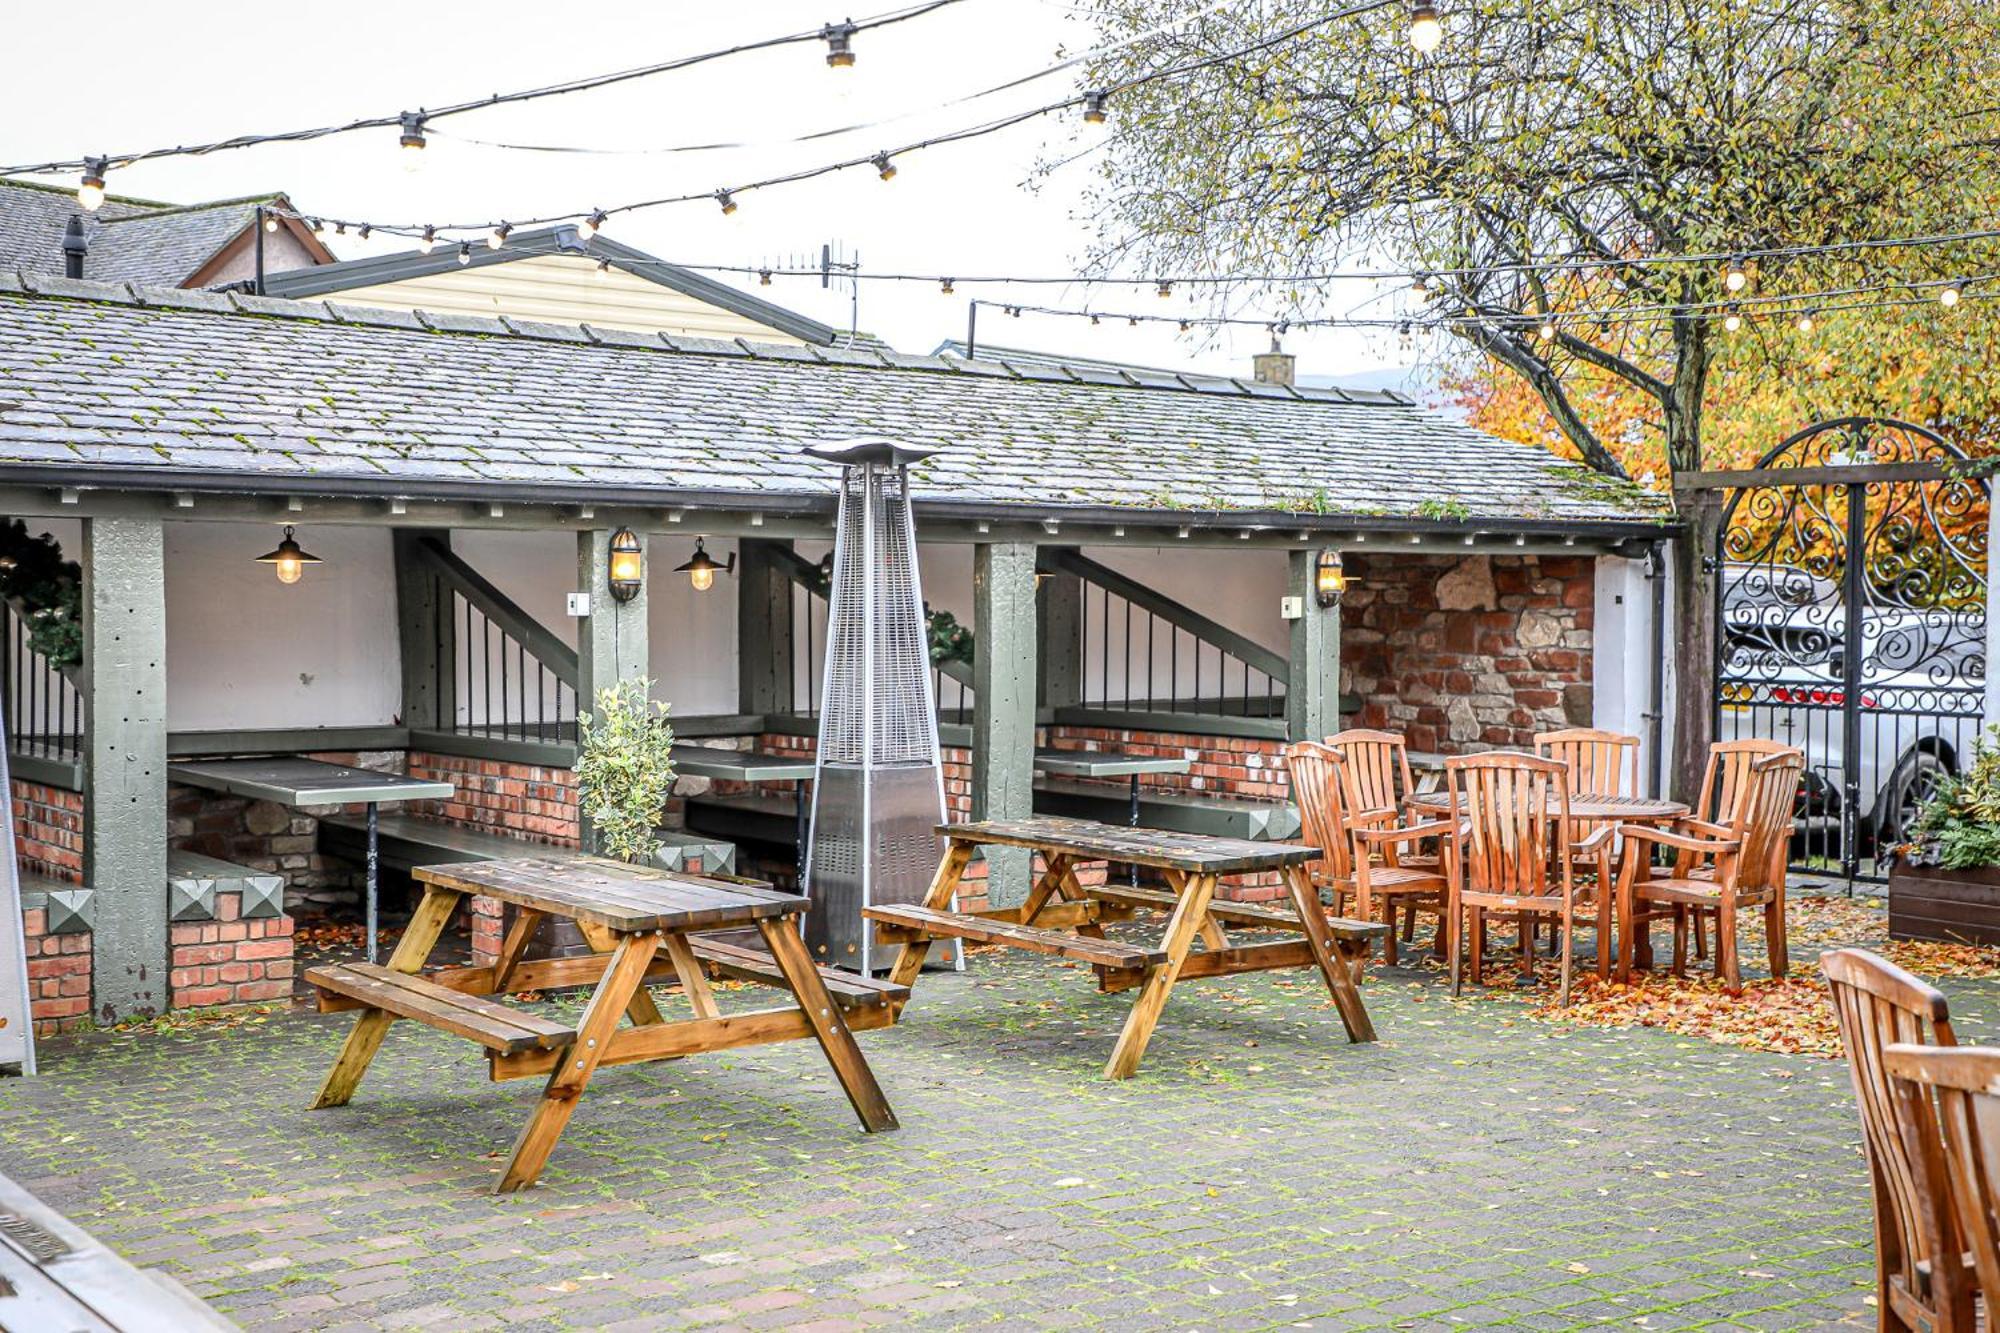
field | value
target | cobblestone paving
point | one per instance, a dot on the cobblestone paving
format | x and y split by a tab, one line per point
1472	1170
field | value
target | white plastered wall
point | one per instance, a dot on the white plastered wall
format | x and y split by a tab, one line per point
1622	654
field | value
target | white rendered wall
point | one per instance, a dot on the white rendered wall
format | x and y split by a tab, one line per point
1622	653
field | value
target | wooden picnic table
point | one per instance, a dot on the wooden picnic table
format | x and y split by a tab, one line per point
1585	807
639	921
1112	764
1062	917
292	780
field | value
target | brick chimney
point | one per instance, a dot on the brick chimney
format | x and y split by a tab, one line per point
1276	366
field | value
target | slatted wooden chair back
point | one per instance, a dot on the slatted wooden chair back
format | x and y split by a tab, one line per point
1763	819
1726	773
1510	815
1965	1082
1316	778
1599	761
1376	769
1917	1247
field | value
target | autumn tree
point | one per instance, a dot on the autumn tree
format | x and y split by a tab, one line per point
1548	163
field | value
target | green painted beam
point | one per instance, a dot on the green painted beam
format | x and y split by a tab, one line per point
1003	714
424	630
1312	698
611	643
125	763
1061	640
763	626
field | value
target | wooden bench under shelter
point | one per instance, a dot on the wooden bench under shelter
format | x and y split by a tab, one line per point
639	920
1062	917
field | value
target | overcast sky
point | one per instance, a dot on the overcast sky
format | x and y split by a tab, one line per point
133	74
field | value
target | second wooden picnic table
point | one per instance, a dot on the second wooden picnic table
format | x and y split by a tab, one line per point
1062	916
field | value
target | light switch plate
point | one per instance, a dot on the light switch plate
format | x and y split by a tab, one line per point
578	604
1292	608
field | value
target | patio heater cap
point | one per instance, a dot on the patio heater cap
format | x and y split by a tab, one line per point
701	567
626	565
1329	579
290	562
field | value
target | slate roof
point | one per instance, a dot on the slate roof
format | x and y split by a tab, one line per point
955	349
131	240
173	389
331	279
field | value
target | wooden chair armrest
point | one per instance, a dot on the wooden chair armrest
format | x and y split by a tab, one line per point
1702	828
1604	834
1635	833
1436	828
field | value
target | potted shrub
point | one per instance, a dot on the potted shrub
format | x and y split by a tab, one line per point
1944	883
624	770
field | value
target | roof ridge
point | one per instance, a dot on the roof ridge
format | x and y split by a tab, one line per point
176	210
47	286
70	190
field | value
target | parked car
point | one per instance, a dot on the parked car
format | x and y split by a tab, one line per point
1784	678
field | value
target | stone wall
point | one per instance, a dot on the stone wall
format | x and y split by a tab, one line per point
1468	654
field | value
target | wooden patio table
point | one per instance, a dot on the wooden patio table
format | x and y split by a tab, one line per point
292	780
638	919
1062	917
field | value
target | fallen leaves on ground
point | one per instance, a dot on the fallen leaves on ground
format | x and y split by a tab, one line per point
324	935
1792	1016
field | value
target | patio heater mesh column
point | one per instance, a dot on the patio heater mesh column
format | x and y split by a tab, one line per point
878	793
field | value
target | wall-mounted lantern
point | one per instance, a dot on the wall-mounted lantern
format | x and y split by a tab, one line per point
701	567
627	565
1329	580
289	561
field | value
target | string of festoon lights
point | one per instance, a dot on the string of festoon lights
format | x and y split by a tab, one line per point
1425	31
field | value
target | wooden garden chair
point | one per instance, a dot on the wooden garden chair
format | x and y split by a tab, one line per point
1921	1279
1377	781
1511	852
1725	868
1599	761
1962	1126
1352	835
1722	783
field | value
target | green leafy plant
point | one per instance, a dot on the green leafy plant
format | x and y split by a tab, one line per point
1958	828
625	769
949	641
47	589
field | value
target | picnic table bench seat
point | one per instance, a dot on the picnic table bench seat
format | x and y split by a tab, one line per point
493	1025
904	923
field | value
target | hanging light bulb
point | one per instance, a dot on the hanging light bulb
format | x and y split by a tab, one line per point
498	236
1735	277
90	193
1185	326
884	167
1948	295
728	202
1426	29
839	44
701	567
429	239
1421	287
412	140
603	268
1131	321
945	288
1165	288
590	226
340	229
288	560
1094	320
763	277
464	253
364	230
270	221
318	226
1806	321
1547	331
1094	106
1733	320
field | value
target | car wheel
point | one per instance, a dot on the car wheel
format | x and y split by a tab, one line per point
1915	781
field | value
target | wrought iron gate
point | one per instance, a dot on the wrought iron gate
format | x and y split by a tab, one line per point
1852	623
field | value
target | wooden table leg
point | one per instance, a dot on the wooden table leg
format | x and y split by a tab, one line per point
526	921
371	1025
857	1080
694	981
625	975
1182	927
641	1008
1338	966
1045	888
910	960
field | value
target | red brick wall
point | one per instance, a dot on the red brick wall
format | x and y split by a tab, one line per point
1469	654
58	975
528	800
229	960
48	830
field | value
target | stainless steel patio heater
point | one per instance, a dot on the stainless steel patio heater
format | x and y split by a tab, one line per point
878	792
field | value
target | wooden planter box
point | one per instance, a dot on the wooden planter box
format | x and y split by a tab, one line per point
1929	903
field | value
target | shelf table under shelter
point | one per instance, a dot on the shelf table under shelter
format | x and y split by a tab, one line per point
294	781
751	769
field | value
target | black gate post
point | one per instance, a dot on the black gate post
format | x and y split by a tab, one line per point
1854	639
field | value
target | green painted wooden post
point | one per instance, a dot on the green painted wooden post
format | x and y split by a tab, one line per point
1061	631
763	629
124	683
1003	712
1312	699
425	633
611	641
